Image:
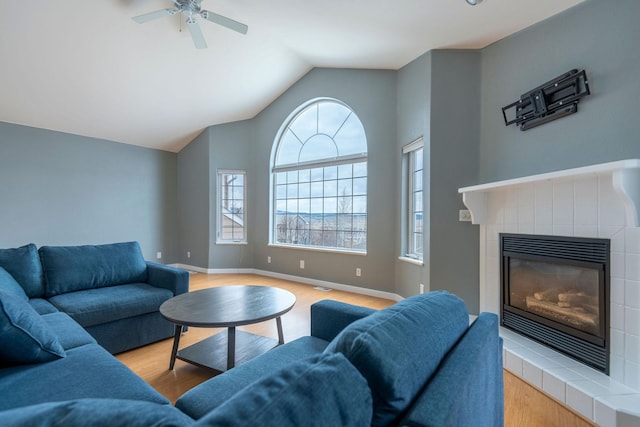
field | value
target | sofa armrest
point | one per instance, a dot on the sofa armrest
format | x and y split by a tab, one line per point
468	388
163	276
329	318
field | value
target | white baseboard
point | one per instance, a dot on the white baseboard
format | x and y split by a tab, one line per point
315	282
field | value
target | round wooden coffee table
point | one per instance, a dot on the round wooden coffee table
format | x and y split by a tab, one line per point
226	307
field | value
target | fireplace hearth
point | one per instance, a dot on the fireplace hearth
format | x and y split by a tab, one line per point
555	290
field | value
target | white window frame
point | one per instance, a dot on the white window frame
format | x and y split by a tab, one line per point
224	214
305	167
412	235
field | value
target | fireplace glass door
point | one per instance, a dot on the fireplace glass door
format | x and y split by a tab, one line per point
565	294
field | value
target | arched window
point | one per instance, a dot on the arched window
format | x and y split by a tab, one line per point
319	176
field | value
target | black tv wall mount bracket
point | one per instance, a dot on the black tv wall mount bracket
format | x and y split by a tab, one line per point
550	101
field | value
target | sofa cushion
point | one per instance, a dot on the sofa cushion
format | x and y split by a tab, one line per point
75	268
212	393
24	336
97	413
69	332
88	371
325	390
398	349
24	265
42	306
9	285
101	305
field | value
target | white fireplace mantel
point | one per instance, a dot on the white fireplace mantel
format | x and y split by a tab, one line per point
625	175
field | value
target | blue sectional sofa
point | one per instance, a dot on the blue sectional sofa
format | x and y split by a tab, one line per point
416	363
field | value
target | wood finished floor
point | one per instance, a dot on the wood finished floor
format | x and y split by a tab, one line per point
151	362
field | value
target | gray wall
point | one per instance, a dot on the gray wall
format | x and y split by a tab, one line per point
455	128
61	189
439	97
598	36
194	191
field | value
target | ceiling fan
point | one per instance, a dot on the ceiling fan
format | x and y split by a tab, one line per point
191	8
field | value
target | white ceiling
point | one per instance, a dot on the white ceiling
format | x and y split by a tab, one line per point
84	67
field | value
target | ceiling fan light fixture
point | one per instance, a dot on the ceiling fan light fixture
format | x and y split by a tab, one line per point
474	2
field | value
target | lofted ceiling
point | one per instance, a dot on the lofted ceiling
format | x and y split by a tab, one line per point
86	68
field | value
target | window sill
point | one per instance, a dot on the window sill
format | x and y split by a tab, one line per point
229	242
318	249
414	261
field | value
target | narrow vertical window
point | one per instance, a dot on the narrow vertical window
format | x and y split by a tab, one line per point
414	199
232	202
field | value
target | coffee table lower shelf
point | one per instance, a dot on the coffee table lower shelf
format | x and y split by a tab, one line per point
212	352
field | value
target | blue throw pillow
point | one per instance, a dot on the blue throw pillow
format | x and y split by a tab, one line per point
398	349
95	413
24	335
325	390
9	285
23	264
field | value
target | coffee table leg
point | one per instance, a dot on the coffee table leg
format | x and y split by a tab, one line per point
231	347
280	334
174	350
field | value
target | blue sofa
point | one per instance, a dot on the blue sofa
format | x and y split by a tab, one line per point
416	363
421	361
110	290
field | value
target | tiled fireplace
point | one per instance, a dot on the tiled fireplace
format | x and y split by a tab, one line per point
599	201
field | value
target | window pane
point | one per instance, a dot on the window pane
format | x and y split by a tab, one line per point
330	206
288	149
304	175
319	147
317	189
360	169
305	125
359	186
330	172
345	171
330	188
350	138
292	190
317	174
331	117
304	190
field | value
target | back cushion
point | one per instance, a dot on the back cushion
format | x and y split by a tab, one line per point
75	268
23	264
8	284
399	348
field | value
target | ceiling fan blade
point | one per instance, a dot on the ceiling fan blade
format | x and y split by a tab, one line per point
224	21
141	19
196	34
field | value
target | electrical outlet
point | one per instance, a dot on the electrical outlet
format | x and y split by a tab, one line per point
159	255
268	260
188	254
464	215
358	272
302	264
421	288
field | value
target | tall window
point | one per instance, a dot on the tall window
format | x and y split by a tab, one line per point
414	199
232	201
319	176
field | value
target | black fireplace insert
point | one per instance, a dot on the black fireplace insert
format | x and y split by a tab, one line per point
555	290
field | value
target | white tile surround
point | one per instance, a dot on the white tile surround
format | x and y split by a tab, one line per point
596	201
